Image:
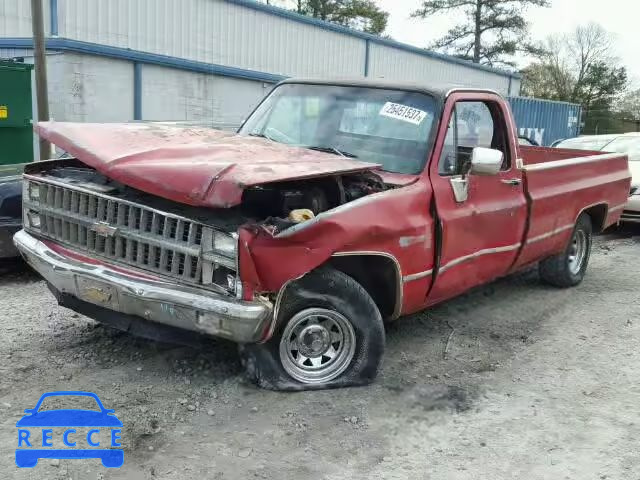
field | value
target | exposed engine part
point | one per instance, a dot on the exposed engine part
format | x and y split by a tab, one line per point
279	200
300	215
366	183
318	195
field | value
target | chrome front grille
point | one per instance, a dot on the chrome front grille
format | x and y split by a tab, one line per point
128	233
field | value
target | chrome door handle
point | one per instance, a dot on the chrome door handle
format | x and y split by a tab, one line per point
512	181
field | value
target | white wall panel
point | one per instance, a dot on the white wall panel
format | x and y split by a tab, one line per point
15	52
394	64
85	88
170	94
213	31
15	18
60	94
516	83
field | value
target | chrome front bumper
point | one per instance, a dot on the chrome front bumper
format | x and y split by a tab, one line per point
162	302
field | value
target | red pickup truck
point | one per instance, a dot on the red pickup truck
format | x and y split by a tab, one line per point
338	206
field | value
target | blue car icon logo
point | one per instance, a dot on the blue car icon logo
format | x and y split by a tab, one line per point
36	433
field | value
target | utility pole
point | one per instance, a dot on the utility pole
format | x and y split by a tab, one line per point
40	60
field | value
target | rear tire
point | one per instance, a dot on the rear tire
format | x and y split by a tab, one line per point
568	268
329	334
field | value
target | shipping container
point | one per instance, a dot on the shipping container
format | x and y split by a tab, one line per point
545	121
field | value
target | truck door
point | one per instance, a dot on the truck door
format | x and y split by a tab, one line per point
483	226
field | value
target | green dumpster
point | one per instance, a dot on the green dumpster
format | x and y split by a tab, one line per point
16	131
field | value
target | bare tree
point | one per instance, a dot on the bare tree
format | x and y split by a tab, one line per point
578	68
588	46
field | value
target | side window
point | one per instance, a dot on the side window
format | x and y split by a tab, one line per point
472	124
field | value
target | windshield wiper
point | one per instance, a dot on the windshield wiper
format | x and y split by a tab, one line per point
260	135
333	150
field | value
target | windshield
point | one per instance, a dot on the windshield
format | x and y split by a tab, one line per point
587	143
629	145
389	127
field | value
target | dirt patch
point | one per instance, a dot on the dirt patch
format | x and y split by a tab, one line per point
535	383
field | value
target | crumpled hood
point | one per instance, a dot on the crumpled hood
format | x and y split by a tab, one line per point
195	166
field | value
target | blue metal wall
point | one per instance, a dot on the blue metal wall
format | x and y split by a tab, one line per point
545	121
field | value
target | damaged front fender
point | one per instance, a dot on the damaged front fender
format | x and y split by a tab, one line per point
375	223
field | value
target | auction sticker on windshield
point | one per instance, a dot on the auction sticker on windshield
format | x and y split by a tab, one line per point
403	112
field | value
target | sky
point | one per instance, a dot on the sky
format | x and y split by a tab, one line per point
619	17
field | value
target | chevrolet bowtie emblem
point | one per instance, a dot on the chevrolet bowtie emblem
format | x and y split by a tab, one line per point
104	229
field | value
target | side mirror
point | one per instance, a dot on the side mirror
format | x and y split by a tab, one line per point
485	161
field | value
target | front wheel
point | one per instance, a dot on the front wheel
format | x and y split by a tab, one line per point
329	334
568	268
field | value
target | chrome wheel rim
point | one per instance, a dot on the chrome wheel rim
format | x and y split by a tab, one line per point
577	251
317	345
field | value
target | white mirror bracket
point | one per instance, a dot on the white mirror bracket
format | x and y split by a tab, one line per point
460	187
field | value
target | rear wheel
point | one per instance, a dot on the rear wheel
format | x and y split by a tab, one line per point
329	334
568	268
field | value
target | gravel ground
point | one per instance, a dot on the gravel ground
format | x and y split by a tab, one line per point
535	383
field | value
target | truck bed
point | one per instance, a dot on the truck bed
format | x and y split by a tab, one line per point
577	180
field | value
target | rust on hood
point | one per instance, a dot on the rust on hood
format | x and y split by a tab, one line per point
195	166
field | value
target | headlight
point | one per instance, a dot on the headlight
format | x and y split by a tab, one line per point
33	219
219	247
218	253
34	192
225	244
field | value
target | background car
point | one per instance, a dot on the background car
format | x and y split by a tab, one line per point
587	142
527	142
628	143
10	207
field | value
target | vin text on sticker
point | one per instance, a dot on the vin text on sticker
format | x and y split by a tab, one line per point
402	112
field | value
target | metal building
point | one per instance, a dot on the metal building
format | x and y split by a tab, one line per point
208	60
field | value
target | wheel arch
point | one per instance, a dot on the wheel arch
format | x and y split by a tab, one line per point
379	274
598	215
385	289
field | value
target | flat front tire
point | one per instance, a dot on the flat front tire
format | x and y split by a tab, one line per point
329	334
568	268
